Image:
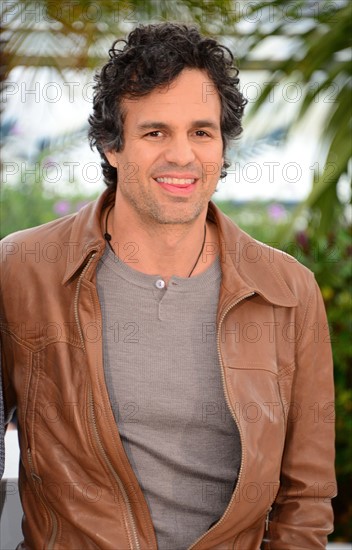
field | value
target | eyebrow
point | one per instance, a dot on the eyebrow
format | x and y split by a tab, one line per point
203	123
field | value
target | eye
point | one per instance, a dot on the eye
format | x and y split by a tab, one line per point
201	133
154	133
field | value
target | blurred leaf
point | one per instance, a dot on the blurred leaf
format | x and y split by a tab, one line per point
321	63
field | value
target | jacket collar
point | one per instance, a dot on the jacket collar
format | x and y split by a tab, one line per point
247	265
86	236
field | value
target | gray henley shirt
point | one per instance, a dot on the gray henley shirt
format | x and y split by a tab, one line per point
164	381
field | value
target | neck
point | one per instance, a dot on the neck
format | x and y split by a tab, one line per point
165	249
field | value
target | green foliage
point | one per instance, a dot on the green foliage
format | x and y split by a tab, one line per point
26	205
321	66
86	28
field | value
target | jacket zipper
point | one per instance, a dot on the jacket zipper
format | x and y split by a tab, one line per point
267	519
38	480
114	473
91	408
233	416
75	304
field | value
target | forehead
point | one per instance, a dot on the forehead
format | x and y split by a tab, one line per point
191	94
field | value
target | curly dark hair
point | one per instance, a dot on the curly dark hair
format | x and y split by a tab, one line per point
153	56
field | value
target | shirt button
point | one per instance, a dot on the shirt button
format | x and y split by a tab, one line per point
160	283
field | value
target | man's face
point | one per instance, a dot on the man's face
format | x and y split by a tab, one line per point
173	151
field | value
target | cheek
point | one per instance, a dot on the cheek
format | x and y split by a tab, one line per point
212	161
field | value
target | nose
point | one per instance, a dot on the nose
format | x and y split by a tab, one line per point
179	151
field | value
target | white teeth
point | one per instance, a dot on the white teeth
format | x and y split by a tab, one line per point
176	181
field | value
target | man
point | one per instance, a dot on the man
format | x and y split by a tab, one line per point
172	376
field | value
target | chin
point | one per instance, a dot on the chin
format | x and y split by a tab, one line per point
173	218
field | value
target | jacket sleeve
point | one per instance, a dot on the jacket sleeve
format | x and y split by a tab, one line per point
302	515
8	396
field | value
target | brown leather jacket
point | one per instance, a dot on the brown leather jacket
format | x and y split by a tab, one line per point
77	487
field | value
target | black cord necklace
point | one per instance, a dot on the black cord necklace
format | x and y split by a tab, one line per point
107	237
201	251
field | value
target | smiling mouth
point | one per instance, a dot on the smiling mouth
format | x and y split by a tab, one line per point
178	182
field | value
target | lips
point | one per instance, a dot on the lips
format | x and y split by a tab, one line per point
179	182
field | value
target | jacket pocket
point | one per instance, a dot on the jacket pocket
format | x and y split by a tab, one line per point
255	398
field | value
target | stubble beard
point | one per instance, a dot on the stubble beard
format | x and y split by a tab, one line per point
151	212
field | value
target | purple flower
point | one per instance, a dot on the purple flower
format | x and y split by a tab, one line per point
276	212
48	162
16	130
61	208
302	240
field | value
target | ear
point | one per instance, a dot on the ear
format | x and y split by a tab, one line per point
111	156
